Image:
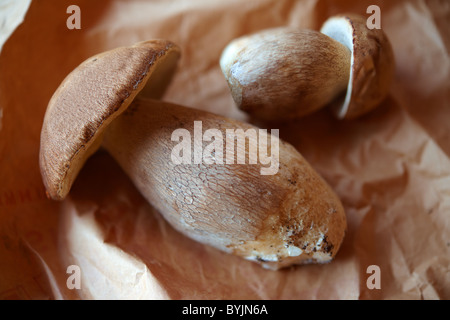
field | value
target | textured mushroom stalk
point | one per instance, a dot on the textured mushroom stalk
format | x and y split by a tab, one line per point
285	73
292	217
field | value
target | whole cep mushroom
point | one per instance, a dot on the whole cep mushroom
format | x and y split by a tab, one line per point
287	73
290	217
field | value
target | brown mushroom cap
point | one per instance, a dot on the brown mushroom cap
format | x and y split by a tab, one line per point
92	96
285	73
372	64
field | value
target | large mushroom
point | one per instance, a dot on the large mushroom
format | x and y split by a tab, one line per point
289	217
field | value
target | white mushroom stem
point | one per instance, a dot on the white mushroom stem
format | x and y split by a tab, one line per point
287	218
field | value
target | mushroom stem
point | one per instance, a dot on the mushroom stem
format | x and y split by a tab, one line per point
285	73
277	220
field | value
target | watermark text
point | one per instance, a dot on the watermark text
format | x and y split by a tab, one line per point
230	146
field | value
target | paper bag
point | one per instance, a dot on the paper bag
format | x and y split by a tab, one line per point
390	168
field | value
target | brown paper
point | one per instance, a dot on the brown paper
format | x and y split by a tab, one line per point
390	168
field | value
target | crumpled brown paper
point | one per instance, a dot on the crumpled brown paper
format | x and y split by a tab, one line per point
390	168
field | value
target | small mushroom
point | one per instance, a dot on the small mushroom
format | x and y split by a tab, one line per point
287	73
276	220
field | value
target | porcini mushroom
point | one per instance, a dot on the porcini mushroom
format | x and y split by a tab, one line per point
290	217
286	73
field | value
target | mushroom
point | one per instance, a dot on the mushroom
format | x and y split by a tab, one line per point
287	73
290	217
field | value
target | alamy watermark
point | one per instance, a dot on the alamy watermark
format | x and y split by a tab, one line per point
74	280
374	21
374	280
231	149
74	20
